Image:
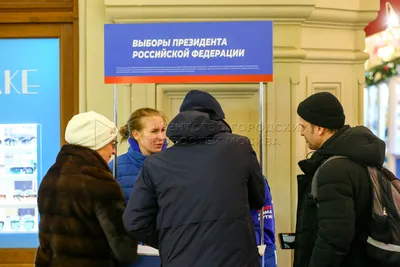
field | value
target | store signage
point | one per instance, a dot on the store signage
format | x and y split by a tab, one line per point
23	87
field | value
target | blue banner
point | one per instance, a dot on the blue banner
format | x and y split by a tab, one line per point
29	132
240	51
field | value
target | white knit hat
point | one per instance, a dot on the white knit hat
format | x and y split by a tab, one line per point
90	129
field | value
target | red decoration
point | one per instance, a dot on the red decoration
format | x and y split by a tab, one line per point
379	24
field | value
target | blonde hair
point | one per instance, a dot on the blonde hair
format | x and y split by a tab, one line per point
135	121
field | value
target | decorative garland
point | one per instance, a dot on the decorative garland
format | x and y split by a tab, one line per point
382	72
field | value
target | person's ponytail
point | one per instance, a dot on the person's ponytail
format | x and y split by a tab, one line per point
124	132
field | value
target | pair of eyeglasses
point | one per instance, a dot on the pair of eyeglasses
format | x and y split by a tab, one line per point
22	170
114	143
22	140
27	194
26	221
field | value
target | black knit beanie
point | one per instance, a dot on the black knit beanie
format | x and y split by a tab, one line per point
322	109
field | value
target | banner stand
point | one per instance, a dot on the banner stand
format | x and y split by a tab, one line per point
261	140
261	147
115	100
248	60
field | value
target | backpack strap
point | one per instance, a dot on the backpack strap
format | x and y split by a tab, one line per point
314	182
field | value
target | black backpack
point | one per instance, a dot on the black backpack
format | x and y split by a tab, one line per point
383	243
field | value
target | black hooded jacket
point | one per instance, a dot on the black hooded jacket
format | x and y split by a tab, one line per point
335	234
193	200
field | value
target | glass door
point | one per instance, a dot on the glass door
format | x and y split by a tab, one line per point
394	123
371	109
383	118
377	115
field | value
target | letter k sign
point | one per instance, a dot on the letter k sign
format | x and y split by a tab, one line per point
9	80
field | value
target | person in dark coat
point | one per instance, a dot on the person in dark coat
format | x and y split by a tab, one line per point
193	200
334	233
81	204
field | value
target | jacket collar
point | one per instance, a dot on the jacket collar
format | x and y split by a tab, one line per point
134	153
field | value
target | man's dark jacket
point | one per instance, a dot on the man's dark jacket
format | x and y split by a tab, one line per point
334	235
193	200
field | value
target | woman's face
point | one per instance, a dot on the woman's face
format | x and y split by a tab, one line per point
151	137
108	150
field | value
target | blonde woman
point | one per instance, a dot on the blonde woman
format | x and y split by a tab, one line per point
145	133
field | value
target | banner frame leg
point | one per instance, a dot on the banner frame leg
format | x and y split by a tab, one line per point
261	144
115	105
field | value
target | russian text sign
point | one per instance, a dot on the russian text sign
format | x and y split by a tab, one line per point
189	52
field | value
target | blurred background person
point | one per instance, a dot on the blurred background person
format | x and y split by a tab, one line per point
81	204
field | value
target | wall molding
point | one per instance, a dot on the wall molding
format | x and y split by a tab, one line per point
130	13
304	11
302	21
166	92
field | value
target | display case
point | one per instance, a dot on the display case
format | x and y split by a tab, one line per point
19	176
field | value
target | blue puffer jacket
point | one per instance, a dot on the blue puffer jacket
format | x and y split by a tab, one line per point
269	220
128	166
269	227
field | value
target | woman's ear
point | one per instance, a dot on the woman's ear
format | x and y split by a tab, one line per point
135	134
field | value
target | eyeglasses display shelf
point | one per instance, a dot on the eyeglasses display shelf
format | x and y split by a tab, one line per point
18	178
